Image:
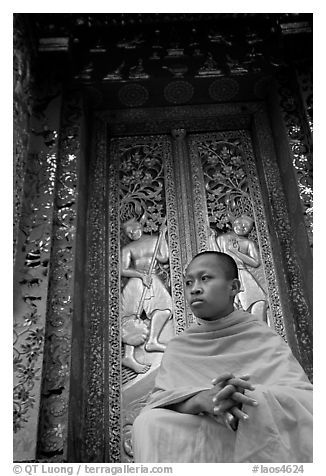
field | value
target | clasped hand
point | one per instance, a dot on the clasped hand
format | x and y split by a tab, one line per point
224	401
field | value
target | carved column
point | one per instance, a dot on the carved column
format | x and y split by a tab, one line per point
31	274
53	422
187	236
297	316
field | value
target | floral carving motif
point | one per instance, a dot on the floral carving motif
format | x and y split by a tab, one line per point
142	184
225	180
30	281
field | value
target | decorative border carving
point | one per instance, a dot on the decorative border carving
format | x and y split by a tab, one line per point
94	429
113	356
192	118
298	320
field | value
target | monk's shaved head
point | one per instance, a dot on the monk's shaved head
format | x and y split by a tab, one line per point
222	260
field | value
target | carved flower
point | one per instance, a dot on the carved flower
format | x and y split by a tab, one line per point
225	152
29	372
31	319
236	160
21	394
212	159
150	162
36	337
137	176
227	170
30	351
239	174
126	180
126	166
218	176
148	179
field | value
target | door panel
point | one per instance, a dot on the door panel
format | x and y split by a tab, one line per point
197	184
194	176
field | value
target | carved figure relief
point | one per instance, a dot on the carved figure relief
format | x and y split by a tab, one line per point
144	292
245	252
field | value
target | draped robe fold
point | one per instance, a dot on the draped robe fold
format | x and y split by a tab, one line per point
279	429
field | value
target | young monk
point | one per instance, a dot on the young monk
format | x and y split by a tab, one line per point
228	389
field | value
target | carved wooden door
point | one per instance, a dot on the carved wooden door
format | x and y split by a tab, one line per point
194	184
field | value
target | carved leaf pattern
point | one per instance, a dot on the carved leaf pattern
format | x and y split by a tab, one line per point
225	181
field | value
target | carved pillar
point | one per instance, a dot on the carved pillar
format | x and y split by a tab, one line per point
187	234
22	109
297	317
96	334
53	422
31	274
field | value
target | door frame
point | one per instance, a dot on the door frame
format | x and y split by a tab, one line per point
102	378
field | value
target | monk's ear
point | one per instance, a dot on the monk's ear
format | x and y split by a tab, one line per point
235	286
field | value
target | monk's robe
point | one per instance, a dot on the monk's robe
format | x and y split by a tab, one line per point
279	429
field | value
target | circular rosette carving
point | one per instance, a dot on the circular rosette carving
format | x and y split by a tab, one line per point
133	331
133	95
178	92
223	89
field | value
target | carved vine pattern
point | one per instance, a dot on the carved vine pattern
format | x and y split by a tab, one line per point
55	385
224	163
35	228
299	138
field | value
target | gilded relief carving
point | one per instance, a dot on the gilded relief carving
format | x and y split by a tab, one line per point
146	304
245	252
218	160
143	293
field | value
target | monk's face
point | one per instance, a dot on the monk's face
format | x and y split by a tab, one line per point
209	293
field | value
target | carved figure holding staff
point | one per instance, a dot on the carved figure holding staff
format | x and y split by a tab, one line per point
144	291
